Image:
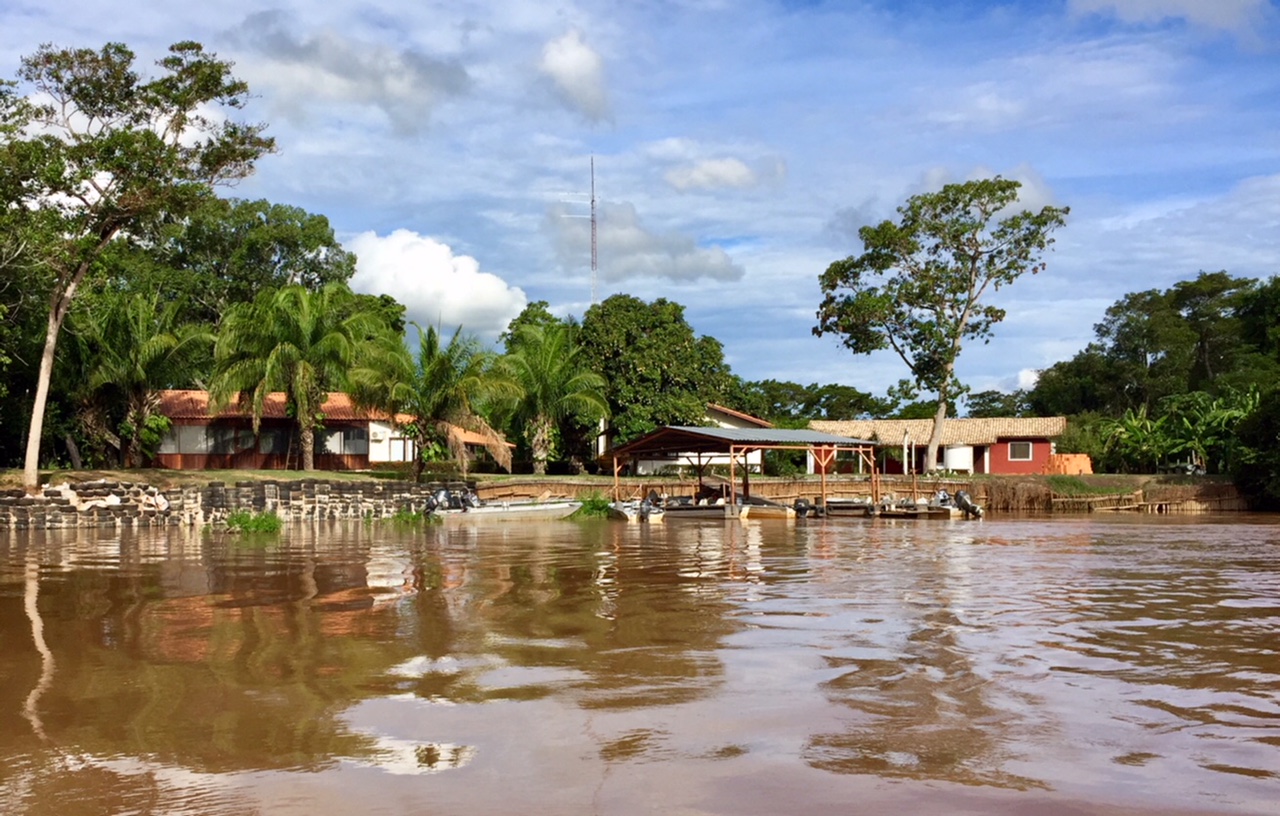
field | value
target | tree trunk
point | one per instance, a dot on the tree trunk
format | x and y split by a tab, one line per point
307	438
935	438
31	465
419	447
540	444
59	305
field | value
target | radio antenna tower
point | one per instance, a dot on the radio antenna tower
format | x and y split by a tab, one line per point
594	295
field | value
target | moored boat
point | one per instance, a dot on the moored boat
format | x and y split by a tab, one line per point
467	507
641	510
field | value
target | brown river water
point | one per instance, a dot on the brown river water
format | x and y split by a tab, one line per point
1078	665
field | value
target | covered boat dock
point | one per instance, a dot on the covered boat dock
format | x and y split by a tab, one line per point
692	444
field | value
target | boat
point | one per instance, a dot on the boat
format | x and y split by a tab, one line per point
689	509
940	506
765	509
637	510
465	506
860	508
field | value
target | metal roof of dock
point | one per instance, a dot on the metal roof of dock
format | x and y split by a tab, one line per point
700	439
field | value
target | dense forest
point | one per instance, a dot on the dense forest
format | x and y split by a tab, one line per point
123	272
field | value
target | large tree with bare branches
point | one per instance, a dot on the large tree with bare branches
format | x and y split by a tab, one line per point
91	151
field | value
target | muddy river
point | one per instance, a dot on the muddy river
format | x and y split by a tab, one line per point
1099	664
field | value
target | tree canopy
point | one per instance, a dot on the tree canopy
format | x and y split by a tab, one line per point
657	371
918	287
97	151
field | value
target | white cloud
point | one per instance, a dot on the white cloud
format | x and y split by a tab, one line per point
436	286
1233	15
628	250
327	68
577	71
710	174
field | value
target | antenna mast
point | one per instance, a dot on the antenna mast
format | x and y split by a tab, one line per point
594	297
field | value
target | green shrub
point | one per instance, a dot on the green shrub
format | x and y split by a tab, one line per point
413	518
594	505
245	522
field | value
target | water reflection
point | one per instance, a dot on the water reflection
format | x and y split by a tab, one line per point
172	671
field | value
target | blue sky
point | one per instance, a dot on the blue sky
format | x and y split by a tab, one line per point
739	146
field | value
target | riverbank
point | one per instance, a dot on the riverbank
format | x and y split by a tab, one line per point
149	498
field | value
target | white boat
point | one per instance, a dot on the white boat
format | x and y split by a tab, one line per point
466	507
637	511
680	510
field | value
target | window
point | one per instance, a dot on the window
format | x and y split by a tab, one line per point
349	441
273	440
1019	451
229	440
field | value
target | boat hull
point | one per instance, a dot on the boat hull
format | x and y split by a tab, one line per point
707	511
510	511
636	512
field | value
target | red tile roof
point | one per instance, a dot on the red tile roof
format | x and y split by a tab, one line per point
336	406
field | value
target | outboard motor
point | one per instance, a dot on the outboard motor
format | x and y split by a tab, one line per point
944	498
440	499
966	504
470	499
802	507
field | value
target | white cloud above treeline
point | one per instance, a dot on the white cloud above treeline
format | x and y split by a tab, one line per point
324	68
628	250
577	72
437	287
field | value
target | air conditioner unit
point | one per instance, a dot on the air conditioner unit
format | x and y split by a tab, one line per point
377	436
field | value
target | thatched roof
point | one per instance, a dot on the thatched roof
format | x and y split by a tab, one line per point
954	431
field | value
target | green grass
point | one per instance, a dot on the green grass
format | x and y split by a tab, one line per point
1075	486
412	518
594	505
245	522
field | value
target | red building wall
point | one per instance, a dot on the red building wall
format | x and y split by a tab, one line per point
1002	464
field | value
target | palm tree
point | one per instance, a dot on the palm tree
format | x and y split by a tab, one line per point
555	384
298	341
138	346
443	389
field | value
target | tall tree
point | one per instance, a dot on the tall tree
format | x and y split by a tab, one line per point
294	340
1150	345
546	362
138	346
98	151
442	388
997	404
229	250
657	370
918	286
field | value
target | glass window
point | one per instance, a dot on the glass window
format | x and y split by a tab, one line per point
273	440
192	439
329	441
355	441
227	440
1019	451
170	442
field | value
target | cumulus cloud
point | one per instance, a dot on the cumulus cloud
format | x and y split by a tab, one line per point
577	71
1231	15
327	68
628	250
711	174
436	286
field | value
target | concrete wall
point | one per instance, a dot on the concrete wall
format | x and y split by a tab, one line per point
124	504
